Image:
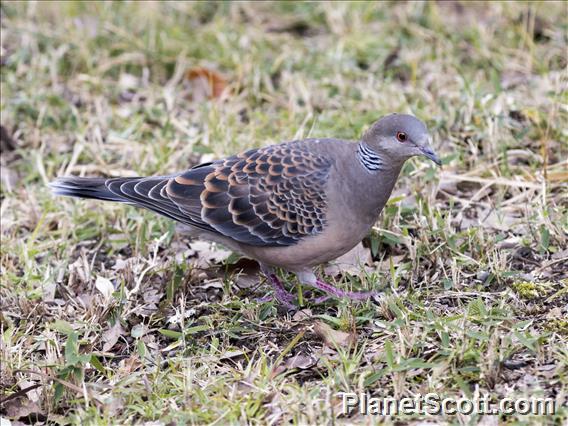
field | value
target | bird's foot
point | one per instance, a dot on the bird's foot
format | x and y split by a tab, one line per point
282	295
288	299
342	294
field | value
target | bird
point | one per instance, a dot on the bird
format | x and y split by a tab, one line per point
293	205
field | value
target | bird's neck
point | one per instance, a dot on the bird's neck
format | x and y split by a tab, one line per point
376	161
370	160
374	181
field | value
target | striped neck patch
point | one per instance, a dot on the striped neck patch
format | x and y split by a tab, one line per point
369	158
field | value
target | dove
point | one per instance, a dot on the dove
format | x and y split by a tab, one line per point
294	205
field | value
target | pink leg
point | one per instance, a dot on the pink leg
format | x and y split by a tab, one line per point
286	299
320	299
336	292
280	292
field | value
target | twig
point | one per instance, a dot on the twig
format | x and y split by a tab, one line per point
496	181
20	393
60	381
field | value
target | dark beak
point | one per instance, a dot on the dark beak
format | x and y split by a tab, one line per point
429	153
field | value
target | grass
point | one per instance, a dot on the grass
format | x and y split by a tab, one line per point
115	318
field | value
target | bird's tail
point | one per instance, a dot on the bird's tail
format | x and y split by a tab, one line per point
147	192
81	187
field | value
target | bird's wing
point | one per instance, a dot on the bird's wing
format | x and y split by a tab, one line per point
272	196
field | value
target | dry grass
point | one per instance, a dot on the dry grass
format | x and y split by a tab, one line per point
116	318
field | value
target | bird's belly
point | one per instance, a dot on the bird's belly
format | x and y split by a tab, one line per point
311	251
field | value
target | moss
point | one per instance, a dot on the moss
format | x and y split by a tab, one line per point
559	326
530	290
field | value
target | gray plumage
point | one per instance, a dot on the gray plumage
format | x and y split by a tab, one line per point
293	205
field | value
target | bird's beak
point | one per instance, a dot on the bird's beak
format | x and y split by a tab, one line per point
429	153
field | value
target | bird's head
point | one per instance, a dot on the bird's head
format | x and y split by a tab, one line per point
397	137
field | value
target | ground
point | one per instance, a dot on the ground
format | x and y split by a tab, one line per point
108	315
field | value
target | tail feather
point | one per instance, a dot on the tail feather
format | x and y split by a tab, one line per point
80	187
131	190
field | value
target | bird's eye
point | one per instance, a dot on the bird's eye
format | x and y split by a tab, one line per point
401	136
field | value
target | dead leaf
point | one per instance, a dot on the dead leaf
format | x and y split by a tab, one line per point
352	262
509	243
128	366
152	297
302	315
21	408
246	279
86	299
245	272
111	336
500	220
298	361
560	254
33	394
138	331
205	83
334	338
104	285
128	81
48	292
214	283
178	317
121	264
555	313
208	254
396	260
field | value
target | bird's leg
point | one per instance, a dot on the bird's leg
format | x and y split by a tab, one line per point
284	297
280	292
337	292
310	279
320	299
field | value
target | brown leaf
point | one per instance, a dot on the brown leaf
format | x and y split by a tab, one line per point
111	336
352	262
334	338
555	313
299	361
246	279
151	297
24	408
208	254
206	83
128	366
245	273
28	386
302	314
